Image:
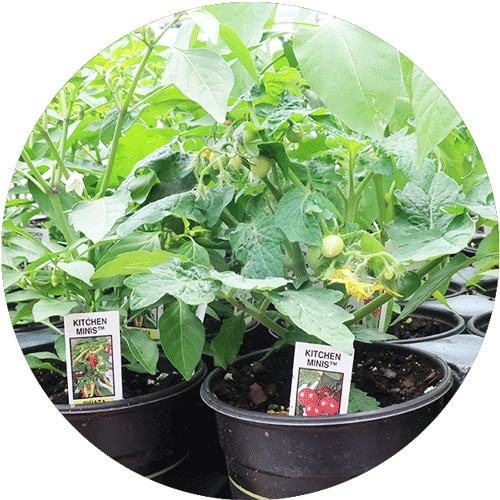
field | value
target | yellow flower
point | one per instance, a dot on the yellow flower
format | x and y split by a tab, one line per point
360	289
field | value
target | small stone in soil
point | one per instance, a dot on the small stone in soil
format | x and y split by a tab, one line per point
257	394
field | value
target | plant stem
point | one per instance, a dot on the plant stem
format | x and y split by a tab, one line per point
60	163
351	198
36	174
257	314
228	218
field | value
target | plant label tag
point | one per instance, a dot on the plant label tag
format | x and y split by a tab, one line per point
321	380
93	357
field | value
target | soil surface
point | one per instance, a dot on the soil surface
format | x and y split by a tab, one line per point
265	385
55	385
414	328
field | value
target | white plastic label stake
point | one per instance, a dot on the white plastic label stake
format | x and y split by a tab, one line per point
321	380
93	357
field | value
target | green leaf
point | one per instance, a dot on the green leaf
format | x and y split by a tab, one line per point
203	210
234	280
360	401
434	115
109	123
182	337
247	19
47	307
226	344
207	23
80	269
314	311
34	362
356	74
239	50
188	282
369	335
133	242
133	262
204	77
257	245
96	218
134	145
297	216
434	282
142	348
421	228
195	253
479	200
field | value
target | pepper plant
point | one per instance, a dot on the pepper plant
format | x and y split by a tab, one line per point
227	167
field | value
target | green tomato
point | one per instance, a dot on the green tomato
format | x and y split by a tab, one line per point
236	161
250	135
260	166
388	274
332	246
295	134
313	256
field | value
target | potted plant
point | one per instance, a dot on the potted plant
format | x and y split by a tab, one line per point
266	191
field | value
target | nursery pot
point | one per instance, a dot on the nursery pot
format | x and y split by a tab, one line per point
478	325
451	324
274	456
149	434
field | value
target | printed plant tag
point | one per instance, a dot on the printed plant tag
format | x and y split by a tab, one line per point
93	357
321	380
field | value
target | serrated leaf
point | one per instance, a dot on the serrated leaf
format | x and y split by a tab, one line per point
204	77
257	245
188	282
360	401
233	280
203	210
297	216
422	228
182	337
314	311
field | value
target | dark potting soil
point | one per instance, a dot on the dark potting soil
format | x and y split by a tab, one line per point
134	384
265	385
414	328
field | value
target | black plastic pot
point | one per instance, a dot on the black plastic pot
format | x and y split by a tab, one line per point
150	434
478	325
451	324
276	456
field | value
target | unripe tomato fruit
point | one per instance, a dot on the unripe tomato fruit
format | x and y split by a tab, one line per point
388	274
236	161
312	257
260	166
250	135
294	134
332	246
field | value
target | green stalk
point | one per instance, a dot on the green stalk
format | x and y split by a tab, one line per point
257	314
60	163
35	173
228	218
382	208
351	198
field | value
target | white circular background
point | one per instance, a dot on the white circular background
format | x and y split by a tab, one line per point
45	43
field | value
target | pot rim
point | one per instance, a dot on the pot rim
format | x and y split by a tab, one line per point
129	404
265	420
471	324
430	313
